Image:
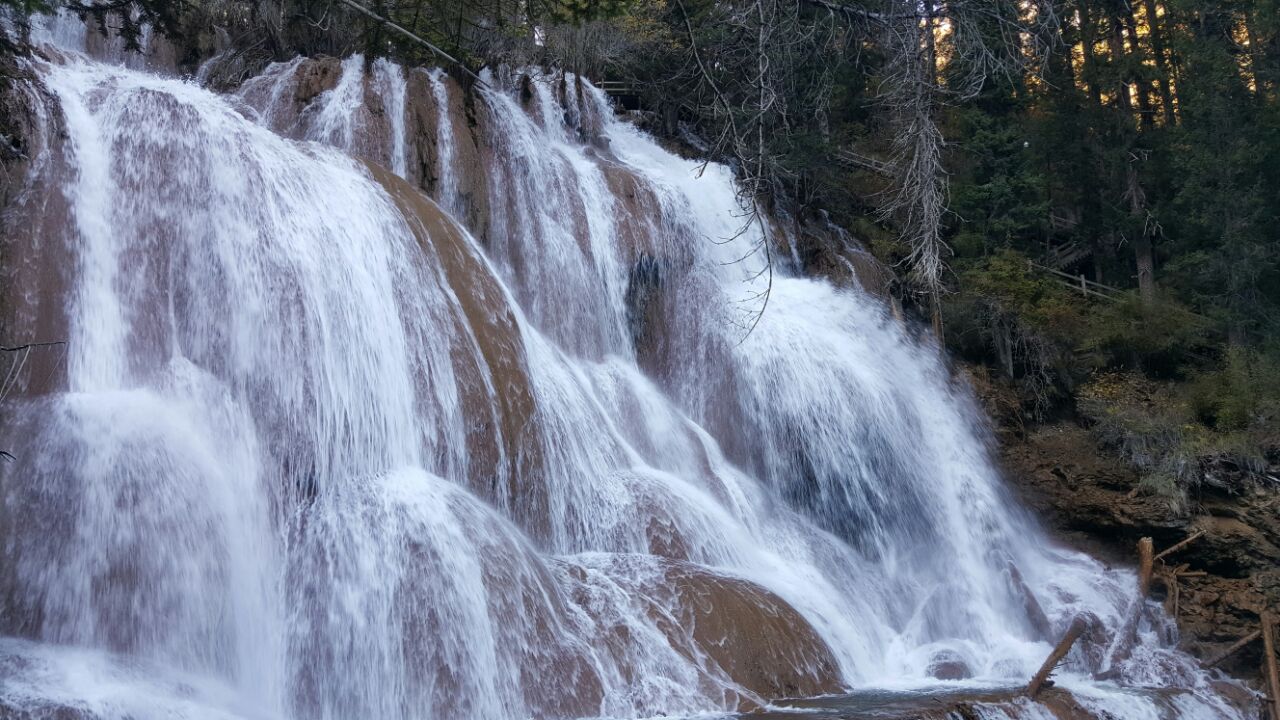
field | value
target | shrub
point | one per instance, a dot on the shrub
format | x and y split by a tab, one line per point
1154	426
1023	323
1242	394
1158	338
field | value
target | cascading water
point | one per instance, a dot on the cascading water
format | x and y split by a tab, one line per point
322	449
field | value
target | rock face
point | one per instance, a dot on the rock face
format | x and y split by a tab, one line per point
1092	501
733	629
33	215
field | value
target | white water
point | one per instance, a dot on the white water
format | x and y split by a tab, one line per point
446	155
305	467
388	78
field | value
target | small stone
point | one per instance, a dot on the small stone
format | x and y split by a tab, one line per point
948	665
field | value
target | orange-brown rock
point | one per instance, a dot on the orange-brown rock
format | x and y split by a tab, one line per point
315	76
746	638
36	263
506	458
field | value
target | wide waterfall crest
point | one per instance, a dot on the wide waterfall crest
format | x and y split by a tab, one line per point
327	448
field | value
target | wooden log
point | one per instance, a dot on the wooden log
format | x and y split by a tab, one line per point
1146	565
1179	545
1233	649
1060	651
1272	671
1127	637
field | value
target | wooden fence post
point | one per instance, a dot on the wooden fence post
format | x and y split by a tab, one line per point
1272	672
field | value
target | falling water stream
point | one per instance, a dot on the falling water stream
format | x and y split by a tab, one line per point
323	447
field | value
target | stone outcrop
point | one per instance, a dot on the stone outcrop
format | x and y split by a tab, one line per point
749	642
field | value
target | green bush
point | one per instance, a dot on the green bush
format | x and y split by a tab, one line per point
1158	338
1155	426
1018	320
1242	394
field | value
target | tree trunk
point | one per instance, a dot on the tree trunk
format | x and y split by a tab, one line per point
1089	73
1156	35
1145	256
1143	248
1146	114
1115	42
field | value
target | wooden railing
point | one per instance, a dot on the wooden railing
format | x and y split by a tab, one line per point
1080	283
616	87
849	156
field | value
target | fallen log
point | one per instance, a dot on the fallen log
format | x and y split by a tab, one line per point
1175	592
1059	651
1179	545
1127	638
1233	649
1272	671
1170	577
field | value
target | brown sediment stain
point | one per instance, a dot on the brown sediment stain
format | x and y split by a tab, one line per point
471	159
639	211
755	637
37	262
506	460
557	678
422	128
373	136
657	266
278	112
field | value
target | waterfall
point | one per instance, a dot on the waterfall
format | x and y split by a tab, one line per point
446	158
323	447
388	78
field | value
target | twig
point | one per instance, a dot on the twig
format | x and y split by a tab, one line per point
16	348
